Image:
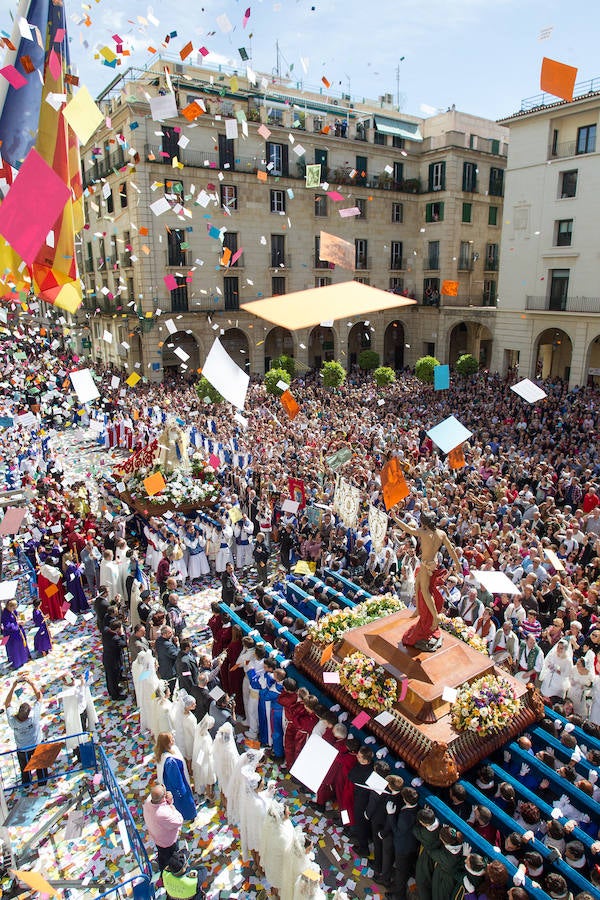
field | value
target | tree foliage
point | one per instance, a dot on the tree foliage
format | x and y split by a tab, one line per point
424	368
285	362
271	379
205	389
333	374
384	375
466	364
368	360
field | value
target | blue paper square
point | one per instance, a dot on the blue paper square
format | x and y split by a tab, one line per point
441	378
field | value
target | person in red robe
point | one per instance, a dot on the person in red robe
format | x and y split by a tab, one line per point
232	676
290	700
335	736
215	623
52	595
343	787
307	719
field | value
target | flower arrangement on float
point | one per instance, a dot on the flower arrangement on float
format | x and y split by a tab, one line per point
180	489
367	682
201	470
332	627
465	633
485	706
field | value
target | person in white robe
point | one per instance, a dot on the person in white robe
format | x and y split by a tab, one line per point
595	701
299	857
554	677
145	682
162	713
242	532
195	547
224	537
154	548
308	884
246	660
225	758
185	726
248	760
579	691
275	841
178	562
109	575
79	712
252	812
203	763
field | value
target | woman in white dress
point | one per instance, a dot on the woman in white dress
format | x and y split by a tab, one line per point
253	809
178	562
185	726
225	758
554	677
308	884
580	688
248	760
275	841
195	546
408	566
299	857
203	764
595	703
154	549
145	682
224	555
162	711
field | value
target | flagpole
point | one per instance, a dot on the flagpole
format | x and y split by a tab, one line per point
10	57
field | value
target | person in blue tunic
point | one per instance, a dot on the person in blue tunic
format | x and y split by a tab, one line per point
74	584
172	772
42	642
14	636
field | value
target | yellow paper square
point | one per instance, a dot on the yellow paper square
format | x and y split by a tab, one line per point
133	379
83	115
235	515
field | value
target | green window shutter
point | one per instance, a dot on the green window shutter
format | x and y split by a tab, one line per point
493	215
441	212
428	212
467	211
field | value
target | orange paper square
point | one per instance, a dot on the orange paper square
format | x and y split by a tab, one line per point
192	111
289	404
326	654
557	79
262	176
393	483
185	51
226	256
450	288
51	590
143	230
456	457
154	484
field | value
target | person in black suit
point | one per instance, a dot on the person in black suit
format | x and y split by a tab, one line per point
113	643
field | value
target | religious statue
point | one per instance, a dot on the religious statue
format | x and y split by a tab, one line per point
173	444
425	634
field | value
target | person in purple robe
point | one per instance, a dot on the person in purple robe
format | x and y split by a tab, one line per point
74	584
13	636
42	641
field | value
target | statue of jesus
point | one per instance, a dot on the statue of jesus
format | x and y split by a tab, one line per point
425	633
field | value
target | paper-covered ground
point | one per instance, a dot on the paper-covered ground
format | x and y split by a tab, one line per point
91	847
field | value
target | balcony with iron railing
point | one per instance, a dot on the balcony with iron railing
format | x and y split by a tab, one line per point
362	263
321	263
238	264
568	148
181	259
278	260
465	264
563	304
125	261
432	264
491	265
397	264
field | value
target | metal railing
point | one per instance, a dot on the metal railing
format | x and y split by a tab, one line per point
580	90
397	264
321	263
491	265
10	770
565	304
177	260
279	260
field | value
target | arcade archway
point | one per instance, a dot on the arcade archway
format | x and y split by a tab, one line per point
359	338
278	342
321	346
592	368
473	338
186	343
236	343
553	354
393	345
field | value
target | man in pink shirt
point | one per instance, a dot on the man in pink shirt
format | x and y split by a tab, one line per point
163	823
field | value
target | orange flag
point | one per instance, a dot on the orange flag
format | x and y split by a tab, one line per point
456	457
289	404
557	79
393	483
450	288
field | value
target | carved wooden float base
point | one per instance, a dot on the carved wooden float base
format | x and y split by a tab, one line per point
421	732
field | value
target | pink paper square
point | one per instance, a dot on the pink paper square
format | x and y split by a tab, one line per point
12	520
32	206
335	195
14	77
361	719
171	282
204	51
54	64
